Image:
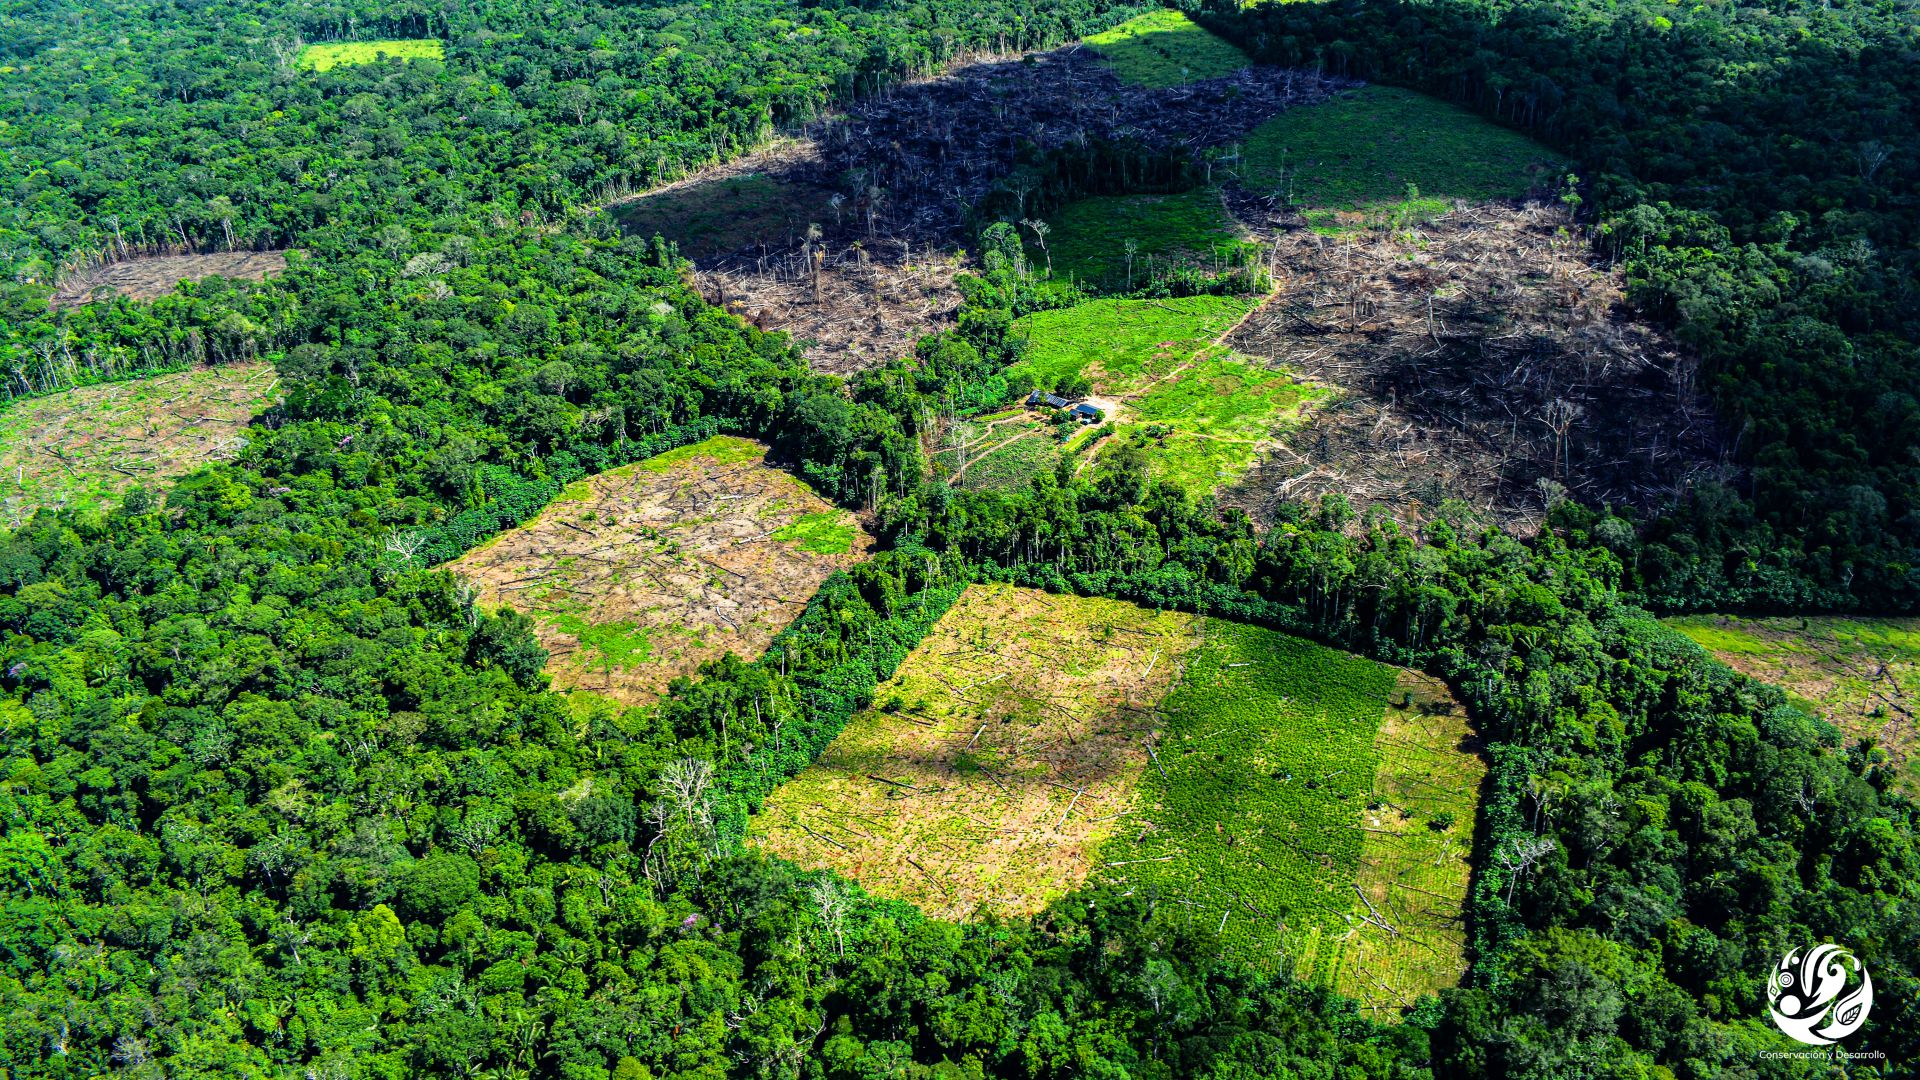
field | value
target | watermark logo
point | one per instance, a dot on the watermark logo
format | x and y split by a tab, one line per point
1820	995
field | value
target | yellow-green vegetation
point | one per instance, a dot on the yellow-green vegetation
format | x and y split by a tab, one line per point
1404	934
1088	240
84	448
1861	675
1251	818
1003	453
713	217
1382	155
1165	48
1295	799
997	759
1194	412
638	575
332	54
826	532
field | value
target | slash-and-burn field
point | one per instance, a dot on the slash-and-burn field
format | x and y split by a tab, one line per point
640	574
1292	799
84	448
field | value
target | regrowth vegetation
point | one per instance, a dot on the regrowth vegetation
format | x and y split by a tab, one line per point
325	56
1382	155
1165	48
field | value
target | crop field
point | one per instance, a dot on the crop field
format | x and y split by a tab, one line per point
332	54
727	214
1293	799
1862	675
1382	155
998	758
1165	48
1198	414
84	448
1404	936
1088	239
638	575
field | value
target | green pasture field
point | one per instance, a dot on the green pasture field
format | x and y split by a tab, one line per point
1197	414
1861	675
332	54
715	217
1382	155
1249	820
1165	48
1087	238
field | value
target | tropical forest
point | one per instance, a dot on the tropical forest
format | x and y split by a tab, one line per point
948	539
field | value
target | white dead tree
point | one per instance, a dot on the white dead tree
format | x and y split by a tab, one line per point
406	543
830	902
1521	858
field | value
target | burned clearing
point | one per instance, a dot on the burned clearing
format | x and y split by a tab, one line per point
84	448
1295	800
149	277
1481	356
997	759
636	576
1861	675
902	172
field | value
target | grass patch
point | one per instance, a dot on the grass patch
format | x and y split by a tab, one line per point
332	54
719	450
1193	412
639	575
1088	238
1165	48
1380	154
715	217
1414	855
1861	675
1251	821
826	532
1121	344
84	448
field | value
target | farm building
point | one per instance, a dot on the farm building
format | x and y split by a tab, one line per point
1086	414
1052	401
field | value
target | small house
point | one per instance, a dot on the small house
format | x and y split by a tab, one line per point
1086	414
1051	401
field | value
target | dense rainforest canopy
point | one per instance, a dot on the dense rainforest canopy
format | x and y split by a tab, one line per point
280	800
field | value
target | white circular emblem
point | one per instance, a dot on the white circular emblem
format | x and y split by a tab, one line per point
1820	995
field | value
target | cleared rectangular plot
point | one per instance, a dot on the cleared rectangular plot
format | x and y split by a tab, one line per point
641	574
1308	806
84	448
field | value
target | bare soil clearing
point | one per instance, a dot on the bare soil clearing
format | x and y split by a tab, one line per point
84	448
1479	357
1861	675
641	574
1000	755
149	277
907	167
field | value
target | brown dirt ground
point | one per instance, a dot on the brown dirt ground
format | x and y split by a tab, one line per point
1414	878
85	447
1460	350
149	277
1002	753
641	574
